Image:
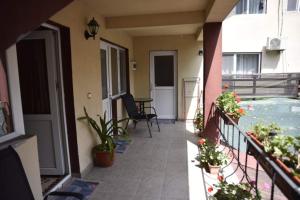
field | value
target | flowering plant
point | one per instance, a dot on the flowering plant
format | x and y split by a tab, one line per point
198	120
262	132
210	155
230	191
229	103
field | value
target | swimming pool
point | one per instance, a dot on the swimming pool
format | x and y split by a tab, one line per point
283	111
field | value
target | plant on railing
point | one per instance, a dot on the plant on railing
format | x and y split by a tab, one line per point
198	120
210	156
228	102
262	132
229	191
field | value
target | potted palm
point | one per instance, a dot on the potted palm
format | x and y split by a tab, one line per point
103	153
228	102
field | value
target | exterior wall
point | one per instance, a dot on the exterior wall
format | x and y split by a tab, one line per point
28	154
248	33
189	63
86	69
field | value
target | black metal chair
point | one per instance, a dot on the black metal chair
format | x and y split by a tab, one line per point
135	115
13	181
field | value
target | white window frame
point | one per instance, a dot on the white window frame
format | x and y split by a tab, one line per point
14	94
235	60
297	7
247	10
109	46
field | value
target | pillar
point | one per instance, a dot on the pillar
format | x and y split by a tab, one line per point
212	46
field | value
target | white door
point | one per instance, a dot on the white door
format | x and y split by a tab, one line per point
40	101
163	83
105	77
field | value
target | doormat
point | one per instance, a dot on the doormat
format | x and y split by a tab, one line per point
49	182
83	187
122	143
166	121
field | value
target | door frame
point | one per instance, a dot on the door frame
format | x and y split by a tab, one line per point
174	53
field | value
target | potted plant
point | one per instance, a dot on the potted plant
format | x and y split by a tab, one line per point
103	153
198	120
231	191
261	133
228	103
211	156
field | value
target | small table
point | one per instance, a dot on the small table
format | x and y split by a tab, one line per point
141	102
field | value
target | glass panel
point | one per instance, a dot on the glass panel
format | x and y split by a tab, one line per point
104	74
114	71
292	5
247	63
33	76
241	7
123	71
228	64
256	6
6	123
164	70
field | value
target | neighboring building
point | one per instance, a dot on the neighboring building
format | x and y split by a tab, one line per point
245	36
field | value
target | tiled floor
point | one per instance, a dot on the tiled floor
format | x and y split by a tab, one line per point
151	168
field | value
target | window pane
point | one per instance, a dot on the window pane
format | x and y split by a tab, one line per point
256	6
123	71
33	76
241	7
292	5
228	64
164	70
247	63
114	71
104	74
6	125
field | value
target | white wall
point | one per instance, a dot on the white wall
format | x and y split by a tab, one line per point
248	33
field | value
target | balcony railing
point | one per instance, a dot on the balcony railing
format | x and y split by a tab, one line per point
251	164
264	85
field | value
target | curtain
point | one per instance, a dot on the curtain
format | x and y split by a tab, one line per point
247	64
256	6
228	64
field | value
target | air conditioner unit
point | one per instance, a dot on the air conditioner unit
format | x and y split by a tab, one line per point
275	44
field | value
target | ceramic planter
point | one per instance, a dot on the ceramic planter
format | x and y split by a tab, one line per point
214	169
103	159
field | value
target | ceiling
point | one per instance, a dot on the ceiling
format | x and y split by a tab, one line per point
112	8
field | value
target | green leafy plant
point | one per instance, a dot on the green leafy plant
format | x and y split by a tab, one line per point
198	120
209	154
104	131
230	191
229	103
262	131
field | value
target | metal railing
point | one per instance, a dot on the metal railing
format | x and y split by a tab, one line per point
241	149
264	85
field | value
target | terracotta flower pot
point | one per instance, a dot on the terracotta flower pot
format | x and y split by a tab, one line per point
288	171
229	122
103	159
214	169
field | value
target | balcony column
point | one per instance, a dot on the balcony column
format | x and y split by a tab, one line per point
212	47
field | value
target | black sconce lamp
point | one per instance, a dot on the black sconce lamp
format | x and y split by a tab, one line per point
93	28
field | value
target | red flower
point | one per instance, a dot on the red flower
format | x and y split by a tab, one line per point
210	189
201	141
234	94
241	111
226	86
238	99
220	178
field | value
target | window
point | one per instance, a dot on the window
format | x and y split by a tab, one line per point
6	126
123	77
251	7
293	5
240	63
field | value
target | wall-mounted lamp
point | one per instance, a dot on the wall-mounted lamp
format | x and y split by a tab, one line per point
200	52
93	28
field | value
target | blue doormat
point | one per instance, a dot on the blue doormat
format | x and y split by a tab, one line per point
122	145
85	188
